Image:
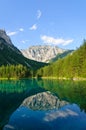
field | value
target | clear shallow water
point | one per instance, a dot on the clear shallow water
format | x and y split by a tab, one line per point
71	116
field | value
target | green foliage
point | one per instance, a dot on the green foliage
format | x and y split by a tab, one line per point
61	55
14	71
71	66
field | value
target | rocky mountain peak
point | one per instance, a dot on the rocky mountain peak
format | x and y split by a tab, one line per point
5	41
5	36
42	53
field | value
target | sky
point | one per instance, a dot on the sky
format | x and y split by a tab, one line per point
59	23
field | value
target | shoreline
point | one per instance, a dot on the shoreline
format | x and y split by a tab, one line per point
9	79
58	78
63	78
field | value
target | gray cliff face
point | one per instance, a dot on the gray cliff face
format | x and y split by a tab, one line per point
5	39
43	101
42	53
5	36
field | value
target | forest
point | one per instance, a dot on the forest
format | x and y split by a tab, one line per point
71	66
14	71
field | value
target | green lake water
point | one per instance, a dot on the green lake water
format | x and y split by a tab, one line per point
13	92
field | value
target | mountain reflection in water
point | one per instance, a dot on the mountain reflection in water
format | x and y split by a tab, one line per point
62	116
43	101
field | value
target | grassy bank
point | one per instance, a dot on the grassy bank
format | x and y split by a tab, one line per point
64	78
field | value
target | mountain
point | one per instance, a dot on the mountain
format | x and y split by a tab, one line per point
10	55
62	55
5	36
42	53
72	66
43	101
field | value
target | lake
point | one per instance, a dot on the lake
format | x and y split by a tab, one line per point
69	113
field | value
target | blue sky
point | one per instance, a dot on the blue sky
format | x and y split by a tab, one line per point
44	22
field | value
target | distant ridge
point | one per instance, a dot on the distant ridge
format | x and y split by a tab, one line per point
42	53
11	55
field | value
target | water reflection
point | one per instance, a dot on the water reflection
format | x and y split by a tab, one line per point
18	86
12	93
43	101
67	117
71	91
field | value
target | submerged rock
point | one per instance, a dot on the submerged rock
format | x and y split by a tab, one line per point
43	101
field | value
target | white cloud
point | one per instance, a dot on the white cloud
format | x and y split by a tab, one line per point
39	13
68	42
21	29
33	27
12	33
55	41
24	41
